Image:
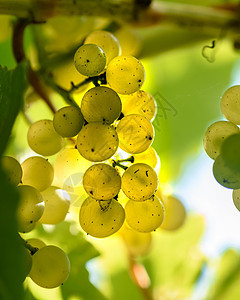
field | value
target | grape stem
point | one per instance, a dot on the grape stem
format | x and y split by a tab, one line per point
131	159
116	163
32	250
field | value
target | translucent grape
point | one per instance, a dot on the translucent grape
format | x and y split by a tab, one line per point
224	175
37	172
36	243
31	206
236	198
139	182
215	135
57	203
105	40
141	103
129	41
230	104
135	133
97	141
101	218
175	213
137	243
43	139
90	60
50	267
148	157
230	151
25	226
101	181
12	169
144	216
125	74
68	121
101	104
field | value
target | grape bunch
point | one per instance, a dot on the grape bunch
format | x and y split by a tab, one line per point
104	163
222	143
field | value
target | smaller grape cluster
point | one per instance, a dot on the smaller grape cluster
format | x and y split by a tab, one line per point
222	143
104	154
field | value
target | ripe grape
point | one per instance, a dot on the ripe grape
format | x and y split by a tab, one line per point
50	267
230	151
225	175
141	103
135	133
139	182
125	74
30	207
215	136
90	60
57	202
68	121
97	141
230	104
102	182
106	41
144	216
36	243
148	157
43	139
12	169
101	218
37	172
236	198
26	262
101	104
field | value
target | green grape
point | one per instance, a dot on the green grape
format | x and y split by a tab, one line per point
43	139
25	226
37	172
230	151
101	181
135	134
215	136
12	168
105	40
90	60
125	74
224	175
101	218
175	213
50	267
141	103
137	243
68	121
101	104
26	262
97	141
148	157
139	182
230	104
30	207
144	216
57	202
36	243
236	198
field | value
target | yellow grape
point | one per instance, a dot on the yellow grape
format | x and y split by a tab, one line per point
43	139
12	169
135	134
148	157
144	216
101	218
97	141
37	172
125	74
105	40
230	104
50	267
236	198
139	182
68	121
36	243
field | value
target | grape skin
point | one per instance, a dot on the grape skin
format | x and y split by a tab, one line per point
97	142
12	169
102	182
230	151
101	104
50	267
144	216
37	172
139	182
230	104
68	121
101	218
135	133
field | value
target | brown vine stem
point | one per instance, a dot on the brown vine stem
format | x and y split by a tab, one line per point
32	249
19	54
140	278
